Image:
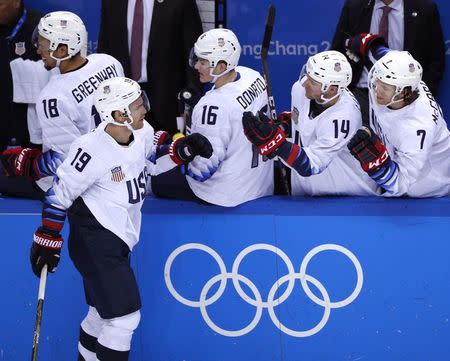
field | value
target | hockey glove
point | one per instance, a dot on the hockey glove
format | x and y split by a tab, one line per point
185	149
361	44
161	137
367	148
8	158
32	163
45	249
265	135
284	121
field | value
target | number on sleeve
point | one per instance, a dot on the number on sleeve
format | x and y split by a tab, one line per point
80	160
50	108
421	133
208	115
345	127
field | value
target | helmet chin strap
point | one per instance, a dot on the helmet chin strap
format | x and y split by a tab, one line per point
217	76
394	101
324	100
59	60
125	123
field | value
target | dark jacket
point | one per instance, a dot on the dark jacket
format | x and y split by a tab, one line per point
13	122
423	35
175	27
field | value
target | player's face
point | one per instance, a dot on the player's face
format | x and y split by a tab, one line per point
138	112
42	50
313	89
384	92
203	68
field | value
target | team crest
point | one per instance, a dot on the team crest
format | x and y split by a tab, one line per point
412	68
337	67
117	175
20	48
106	89
295	114
63	23
221	42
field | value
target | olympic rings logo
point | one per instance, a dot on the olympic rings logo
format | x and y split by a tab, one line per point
257	301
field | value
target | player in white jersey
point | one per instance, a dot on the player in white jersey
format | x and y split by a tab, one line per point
235	173
65	106
406	151
324	116
101	187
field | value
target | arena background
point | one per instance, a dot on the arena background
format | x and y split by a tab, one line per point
302	28
375	271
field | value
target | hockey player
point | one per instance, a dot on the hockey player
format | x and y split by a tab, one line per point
325	116
65	106
235	173
406	150
101	186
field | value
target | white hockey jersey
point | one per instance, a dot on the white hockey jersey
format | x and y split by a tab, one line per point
110	178
235	173
418	140
65	105
324	139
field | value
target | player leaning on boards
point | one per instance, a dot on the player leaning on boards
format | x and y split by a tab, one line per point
235	173
65	106
325	116
101	187
406	151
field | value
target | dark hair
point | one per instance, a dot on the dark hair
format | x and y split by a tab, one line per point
409	95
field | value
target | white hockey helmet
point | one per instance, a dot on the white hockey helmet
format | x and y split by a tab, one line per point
397	68
329	68
64	27
116	94
217	45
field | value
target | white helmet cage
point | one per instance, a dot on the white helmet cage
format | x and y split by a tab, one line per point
397	68
63	27
330	68
116	94
217	45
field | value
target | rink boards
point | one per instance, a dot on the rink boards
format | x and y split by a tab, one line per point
275	279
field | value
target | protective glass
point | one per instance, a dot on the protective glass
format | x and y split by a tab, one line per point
192	58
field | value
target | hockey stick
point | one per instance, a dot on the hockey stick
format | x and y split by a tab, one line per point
40	306
273	114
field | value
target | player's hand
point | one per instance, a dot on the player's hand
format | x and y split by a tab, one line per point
185	149
367	148
161	137
23	165
285	122
265	135
45	249
8	159
360	44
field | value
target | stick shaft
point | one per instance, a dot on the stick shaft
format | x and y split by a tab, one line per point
40	307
